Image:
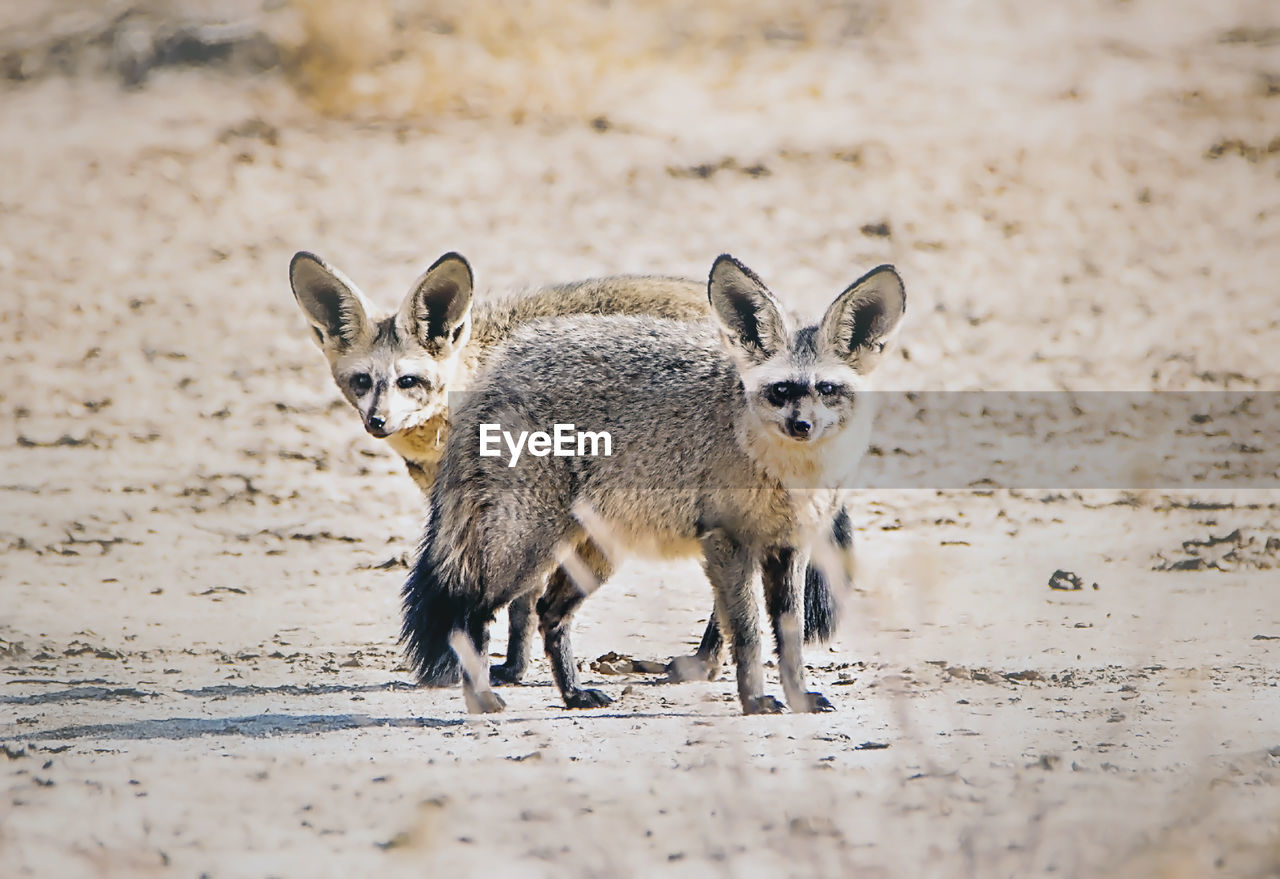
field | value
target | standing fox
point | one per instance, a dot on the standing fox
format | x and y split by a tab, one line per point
731	444
397	371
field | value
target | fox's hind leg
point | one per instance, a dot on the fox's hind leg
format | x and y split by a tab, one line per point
704	665
555	616
783	574
512	570
519	638
470	644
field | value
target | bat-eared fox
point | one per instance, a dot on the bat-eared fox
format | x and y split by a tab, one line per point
732	439
398	369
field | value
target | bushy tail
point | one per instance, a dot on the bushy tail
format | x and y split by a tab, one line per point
821	610
433	608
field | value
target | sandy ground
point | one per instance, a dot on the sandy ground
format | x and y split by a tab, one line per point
200	673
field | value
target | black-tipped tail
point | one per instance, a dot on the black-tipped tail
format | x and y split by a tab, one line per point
431	612
821	610
820	613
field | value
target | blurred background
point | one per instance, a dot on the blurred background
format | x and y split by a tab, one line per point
1104	172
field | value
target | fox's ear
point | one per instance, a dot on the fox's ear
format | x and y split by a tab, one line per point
864	318
338	312
749	315
437	312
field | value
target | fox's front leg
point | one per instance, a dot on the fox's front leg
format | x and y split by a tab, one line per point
783	574
729	566
521	622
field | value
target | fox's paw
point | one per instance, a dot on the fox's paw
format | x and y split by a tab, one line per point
486	702
507	673
691	668
762	705
586	699
814	703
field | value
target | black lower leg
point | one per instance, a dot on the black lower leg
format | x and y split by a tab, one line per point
712	646
519	636
781	573
555	615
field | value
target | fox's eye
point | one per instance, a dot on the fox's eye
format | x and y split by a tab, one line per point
780	392
407	381
827	389
361	382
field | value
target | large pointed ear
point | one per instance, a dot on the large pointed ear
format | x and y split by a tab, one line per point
437	311
338	312
750	316
863	319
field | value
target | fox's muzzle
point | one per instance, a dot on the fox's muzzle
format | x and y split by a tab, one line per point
377	426
798	428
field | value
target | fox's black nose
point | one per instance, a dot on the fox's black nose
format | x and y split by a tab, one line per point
799	429
376	423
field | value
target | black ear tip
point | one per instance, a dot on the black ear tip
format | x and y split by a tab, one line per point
724	258
719	261
723	261
886	268
884	272
303	256
455	257
301	262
